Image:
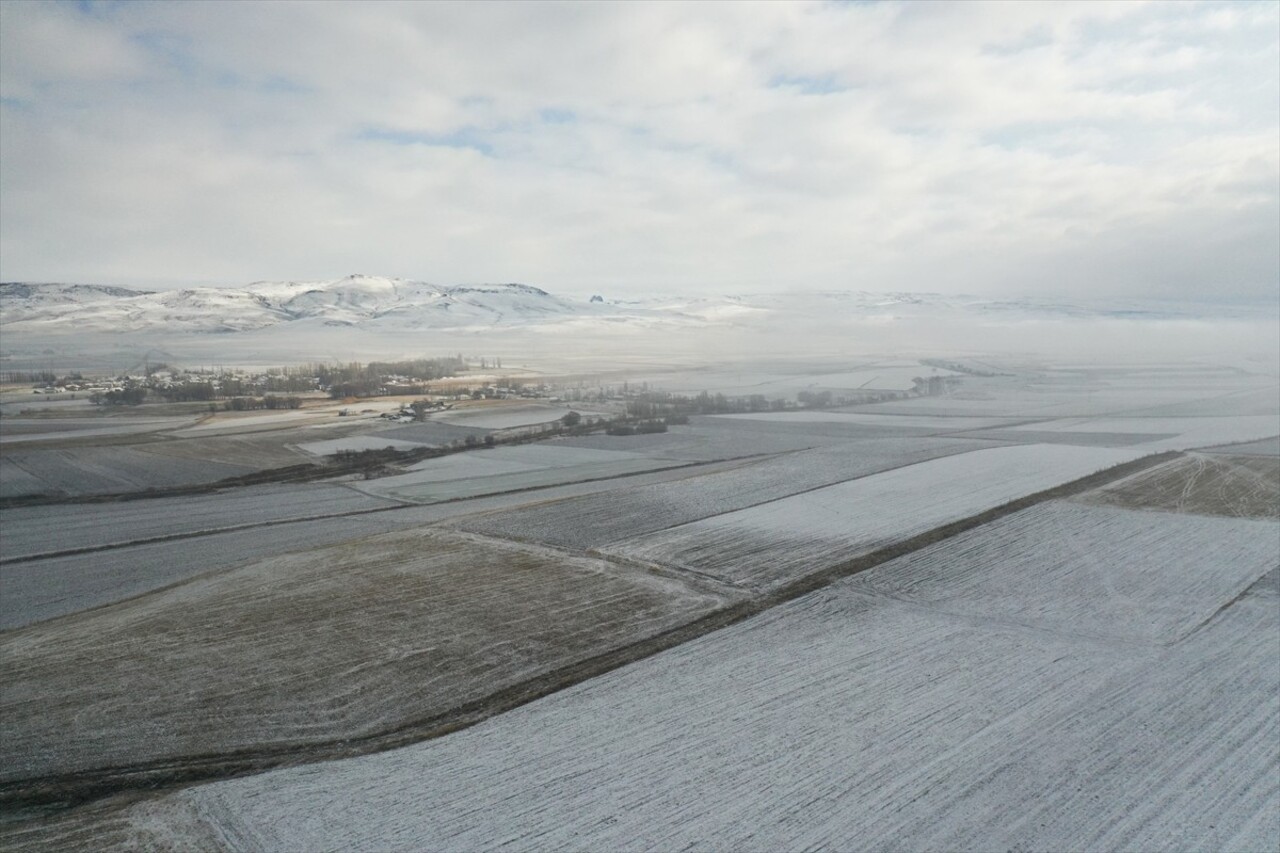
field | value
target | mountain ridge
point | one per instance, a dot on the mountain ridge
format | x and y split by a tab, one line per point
394	304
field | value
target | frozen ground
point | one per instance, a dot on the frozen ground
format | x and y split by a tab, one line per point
841	720
1075	676
104	470
47	588
1264	447
933	423
597	520
787	380
1205	483
1091	571
1092	391
329	644
1186	432
61	527
34	431
771	543
502	417
373	441
503	469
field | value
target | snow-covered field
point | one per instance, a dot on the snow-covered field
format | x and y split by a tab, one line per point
58	586
1099	572
352	639
772	543
33	431
103	470
838	721
356	443
892	375
594	521
502	417
1090	391
46	529
504	469
1265	447
1187	432
936	423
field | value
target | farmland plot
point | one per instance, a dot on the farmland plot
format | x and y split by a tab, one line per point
837	721
1076	438
591	522
1208	484
16	481
508	469
714	437
57	586
1187	432
502	417
678	442
1095	571
356	443
1264	447
932	423
254	450
48	529
770	544
433	433
1090	392
20	431
107	470
328	644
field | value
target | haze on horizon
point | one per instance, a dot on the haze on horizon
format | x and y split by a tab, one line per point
1081	148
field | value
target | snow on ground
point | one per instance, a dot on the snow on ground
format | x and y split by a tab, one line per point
786	382
1265	447
772	543
45	529
520	457
835	722
57	586
16	481
356	443
502	417
1093	392
938	423
1188	432
594	521
502	469
237	422
104	470
32	430
351	639
1200	483
1094	571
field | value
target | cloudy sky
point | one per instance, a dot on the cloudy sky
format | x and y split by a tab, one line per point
626	148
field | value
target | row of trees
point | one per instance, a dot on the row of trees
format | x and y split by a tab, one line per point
424	369
131	396
271	401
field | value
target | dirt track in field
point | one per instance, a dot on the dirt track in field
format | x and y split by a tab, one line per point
1201	484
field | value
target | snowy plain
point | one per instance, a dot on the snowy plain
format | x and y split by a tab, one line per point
772	543
592	522
839	720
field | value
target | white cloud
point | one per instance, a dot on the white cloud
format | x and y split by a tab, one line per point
658	146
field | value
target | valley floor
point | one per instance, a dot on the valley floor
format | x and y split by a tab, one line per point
1032	616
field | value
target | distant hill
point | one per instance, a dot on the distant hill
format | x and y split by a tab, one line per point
374	303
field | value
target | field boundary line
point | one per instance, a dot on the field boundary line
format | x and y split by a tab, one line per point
70	789
191	534
399	504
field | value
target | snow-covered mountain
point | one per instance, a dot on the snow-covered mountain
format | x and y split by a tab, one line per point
373	303
356	300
